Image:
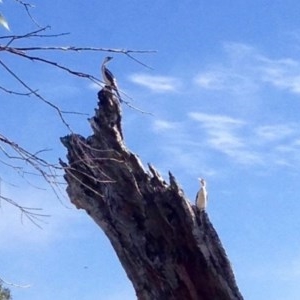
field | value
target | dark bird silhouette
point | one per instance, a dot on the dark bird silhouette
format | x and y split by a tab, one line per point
109	78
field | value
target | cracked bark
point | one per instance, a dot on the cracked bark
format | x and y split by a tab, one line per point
168	248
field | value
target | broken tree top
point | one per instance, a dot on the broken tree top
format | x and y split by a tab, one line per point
168	247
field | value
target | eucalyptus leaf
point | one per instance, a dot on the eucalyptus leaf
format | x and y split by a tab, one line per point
3	22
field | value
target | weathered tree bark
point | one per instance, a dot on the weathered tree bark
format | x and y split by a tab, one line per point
168	248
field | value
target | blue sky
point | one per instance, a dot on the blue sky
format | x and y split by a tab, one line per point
224	92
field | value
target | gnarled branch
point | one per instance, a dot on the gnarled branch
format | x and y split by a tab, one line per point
168	248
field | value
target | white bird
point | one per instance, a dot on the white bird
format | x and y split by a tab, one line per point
108	77
201	198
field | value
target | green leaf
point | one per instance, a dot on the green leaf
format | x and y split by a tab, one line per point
3	22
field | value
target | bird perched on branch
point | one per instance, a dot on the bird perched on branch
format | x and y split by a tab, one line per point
109	78
201	198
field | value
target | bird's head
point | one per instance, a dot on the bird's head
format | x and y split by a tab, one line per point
202	181
107	59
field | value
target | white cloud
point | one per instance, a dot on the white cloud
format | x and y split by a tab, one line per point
222	79
157	84
163	125
179	151
245	69
270	133
243	143
288	152
248	144
223	133
281	73
214	120
210	80
224	140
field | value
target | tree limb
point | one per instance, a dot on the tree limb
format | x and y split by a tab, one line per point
168	248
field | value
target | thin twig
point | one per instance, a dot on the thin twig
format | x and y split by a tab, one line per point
55	64
138	109
36	94
14	284
29	212
50	172
27	6
13	92
78	49
138	61
31	34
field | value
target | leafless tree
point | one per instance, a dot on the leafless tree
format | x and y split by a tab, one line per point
12	155
168	248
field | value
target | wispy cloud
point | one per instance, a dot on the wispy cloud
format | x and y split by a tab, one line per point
223	133
241	142
281	73
246	69
269	133
159	84
163	125
214	120
250	144
179	151
224	79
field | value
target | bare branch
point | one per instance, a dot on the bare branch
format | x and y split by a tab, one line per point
55	64
29	212
27	87
49	172
33	160
138	61
23	161
21	52
137	109
78	49
27	7
13	284
30	93
14	92
35	33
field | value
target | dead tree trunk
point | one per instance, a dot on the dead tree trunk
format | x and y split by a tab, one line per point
168	248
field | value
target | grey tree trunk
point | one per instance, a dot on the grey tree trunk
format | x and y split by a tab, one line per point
168	248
